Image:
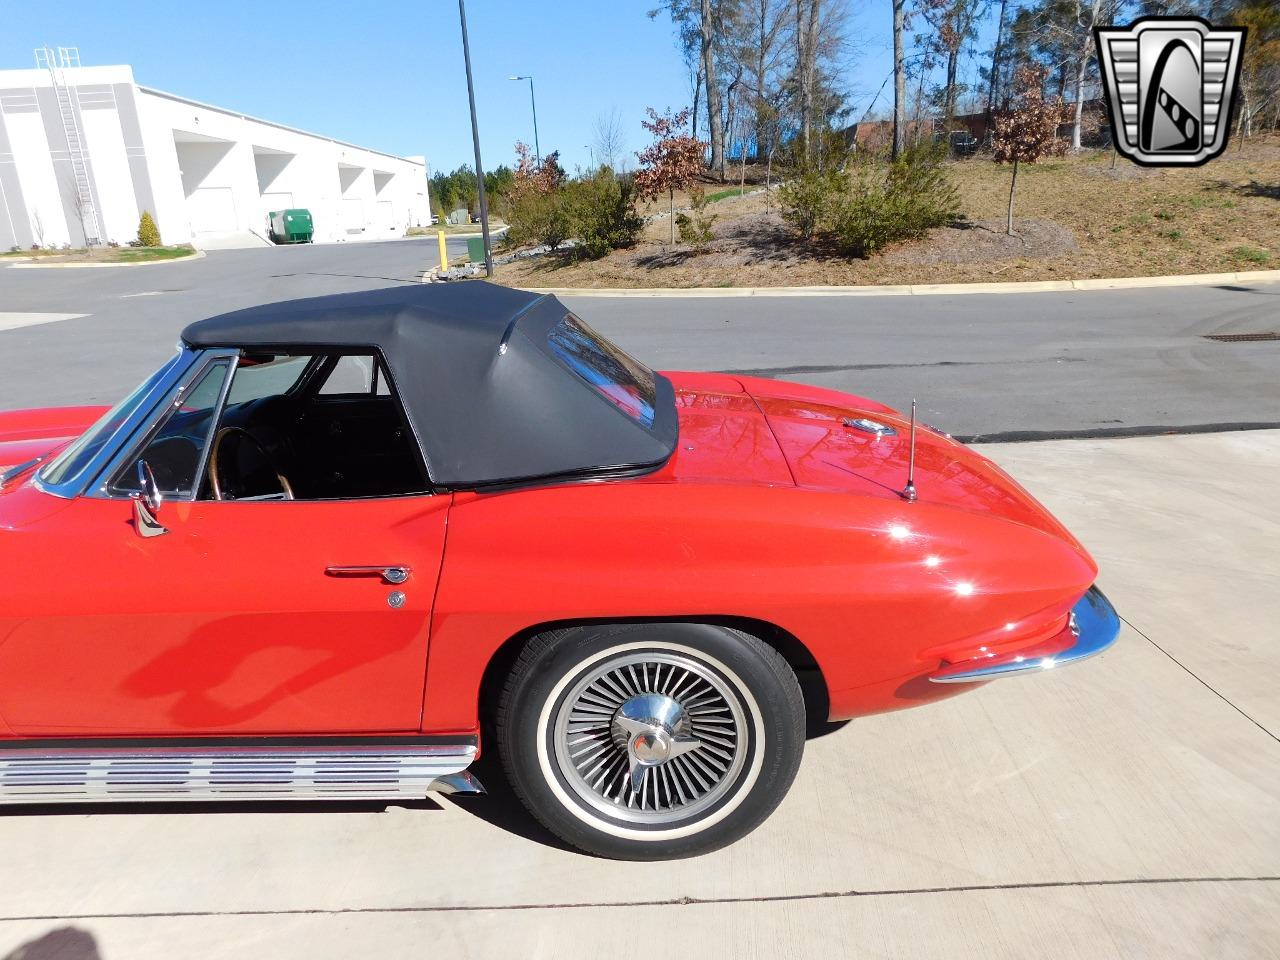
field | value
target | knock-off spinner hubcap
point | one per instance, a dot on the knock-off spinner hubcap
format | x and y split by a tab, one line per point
650	737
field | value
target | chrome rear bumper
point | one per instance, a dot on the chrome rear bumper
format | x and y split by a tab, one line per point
1094	622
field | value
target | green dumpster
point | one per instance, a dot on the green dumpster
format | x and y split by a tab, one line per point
291	226
475	249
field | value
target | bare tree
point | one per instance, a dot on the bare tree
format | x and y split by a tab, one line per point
684	17
698	24
995	61
954	23
37	227
610	143
79	206
1086	17
899	78
807	39
759	51
715	119
732	96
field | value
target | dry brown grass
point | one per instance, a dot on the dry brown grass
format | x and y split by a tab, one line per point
1124	221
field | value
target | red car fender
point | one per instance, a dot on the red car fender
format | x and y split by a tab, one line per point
867	585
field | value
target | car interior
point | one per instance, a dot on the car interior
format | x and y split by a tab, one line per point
315	426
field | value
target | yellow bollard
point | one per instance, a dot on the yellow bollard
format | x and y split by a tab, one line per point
444	252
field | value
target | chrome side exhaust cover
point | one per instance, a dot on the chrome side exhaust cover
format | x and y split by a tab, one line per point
108	771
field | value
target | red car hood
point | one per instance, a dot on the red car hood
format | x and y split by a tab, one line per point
820	451
27	434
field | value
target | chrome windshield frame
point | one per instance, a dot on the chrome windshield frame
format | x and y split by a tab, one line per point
175	374
134	440
172	373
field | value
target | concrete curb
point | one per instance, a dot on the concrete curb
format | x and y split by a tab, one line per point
22	265
926	289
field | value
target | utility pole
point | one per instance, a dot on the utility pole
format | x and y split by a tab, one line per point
533	103
475	140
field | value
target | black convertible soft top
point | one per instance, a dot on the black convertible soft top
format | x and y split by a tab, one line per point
499	385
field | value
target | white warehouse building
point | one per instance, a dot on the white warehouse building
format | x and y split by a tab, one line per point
85	150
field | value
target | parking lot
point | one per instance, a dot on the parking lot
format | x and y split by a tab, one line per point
1126	807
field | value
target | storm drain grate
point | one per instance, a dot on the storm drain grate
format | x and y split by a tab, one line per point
1242	337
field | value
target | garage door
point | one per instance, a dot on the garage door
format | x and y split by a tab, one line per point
212	210
353	216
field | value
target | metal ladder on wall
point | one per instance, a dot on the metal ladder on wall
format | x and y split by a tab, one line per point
85	209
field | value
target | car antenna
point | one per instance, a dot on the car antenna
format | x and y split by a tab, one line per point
909	491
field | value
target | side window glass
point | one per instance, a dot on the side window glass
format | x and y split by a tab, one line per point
266	375
177	447
353	374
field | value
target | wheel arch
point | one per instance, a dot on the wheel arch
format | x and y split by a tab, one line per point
813	684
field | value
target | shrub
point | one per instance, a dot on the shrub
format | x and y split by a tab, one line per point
695	229
600	212
873	202
899	202
604	214
808	198
540	218
148	233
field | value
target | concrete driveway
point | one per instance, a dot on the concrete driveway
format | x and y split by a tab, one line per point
1128	807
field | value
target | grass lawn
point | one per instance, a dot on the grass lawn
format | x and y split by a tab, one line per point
1076	216
142	254
104	254
721	194
450	228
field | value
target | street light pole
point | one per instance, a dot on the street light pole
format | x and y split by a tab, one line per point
533	103
475	141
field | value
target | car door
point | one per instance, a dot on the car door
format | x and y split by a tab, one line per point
236	621
240	617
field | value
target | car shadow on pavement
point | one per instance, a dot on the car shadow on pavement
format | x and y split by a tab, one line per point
501	808
193	807
64	943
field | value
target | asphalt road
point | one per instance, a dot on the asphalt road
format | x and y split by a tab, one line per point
1125	807
996	366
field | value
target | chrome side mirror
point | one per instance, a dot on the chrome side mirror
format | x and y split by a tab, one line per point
146	503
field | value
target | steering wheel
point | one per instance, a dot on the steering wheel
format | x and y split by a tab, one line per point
242	435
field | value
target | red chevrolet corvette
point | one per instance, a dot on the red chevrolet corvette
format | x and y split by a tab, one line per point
332	542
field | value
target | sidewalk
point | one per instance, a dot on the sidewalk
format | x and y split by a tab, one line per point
1125	807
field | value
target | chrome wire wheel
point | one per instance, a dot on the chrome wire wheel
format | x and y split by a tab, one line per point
652	737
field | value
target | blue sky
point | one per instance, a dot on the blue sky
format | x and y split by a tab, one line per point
389	74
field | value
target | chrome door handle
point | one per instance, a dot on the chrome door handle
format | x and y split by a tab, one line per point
394	573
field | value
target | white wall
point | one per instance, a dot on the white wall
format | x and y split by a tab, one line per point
115	200
335	181
40	188
190	175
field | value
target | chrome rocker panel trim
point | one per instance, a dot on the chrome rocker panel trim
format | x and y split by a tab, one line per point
46	772
1096	625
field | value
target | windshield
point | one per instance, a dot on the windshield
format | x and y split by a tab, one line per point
621	379
69	464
